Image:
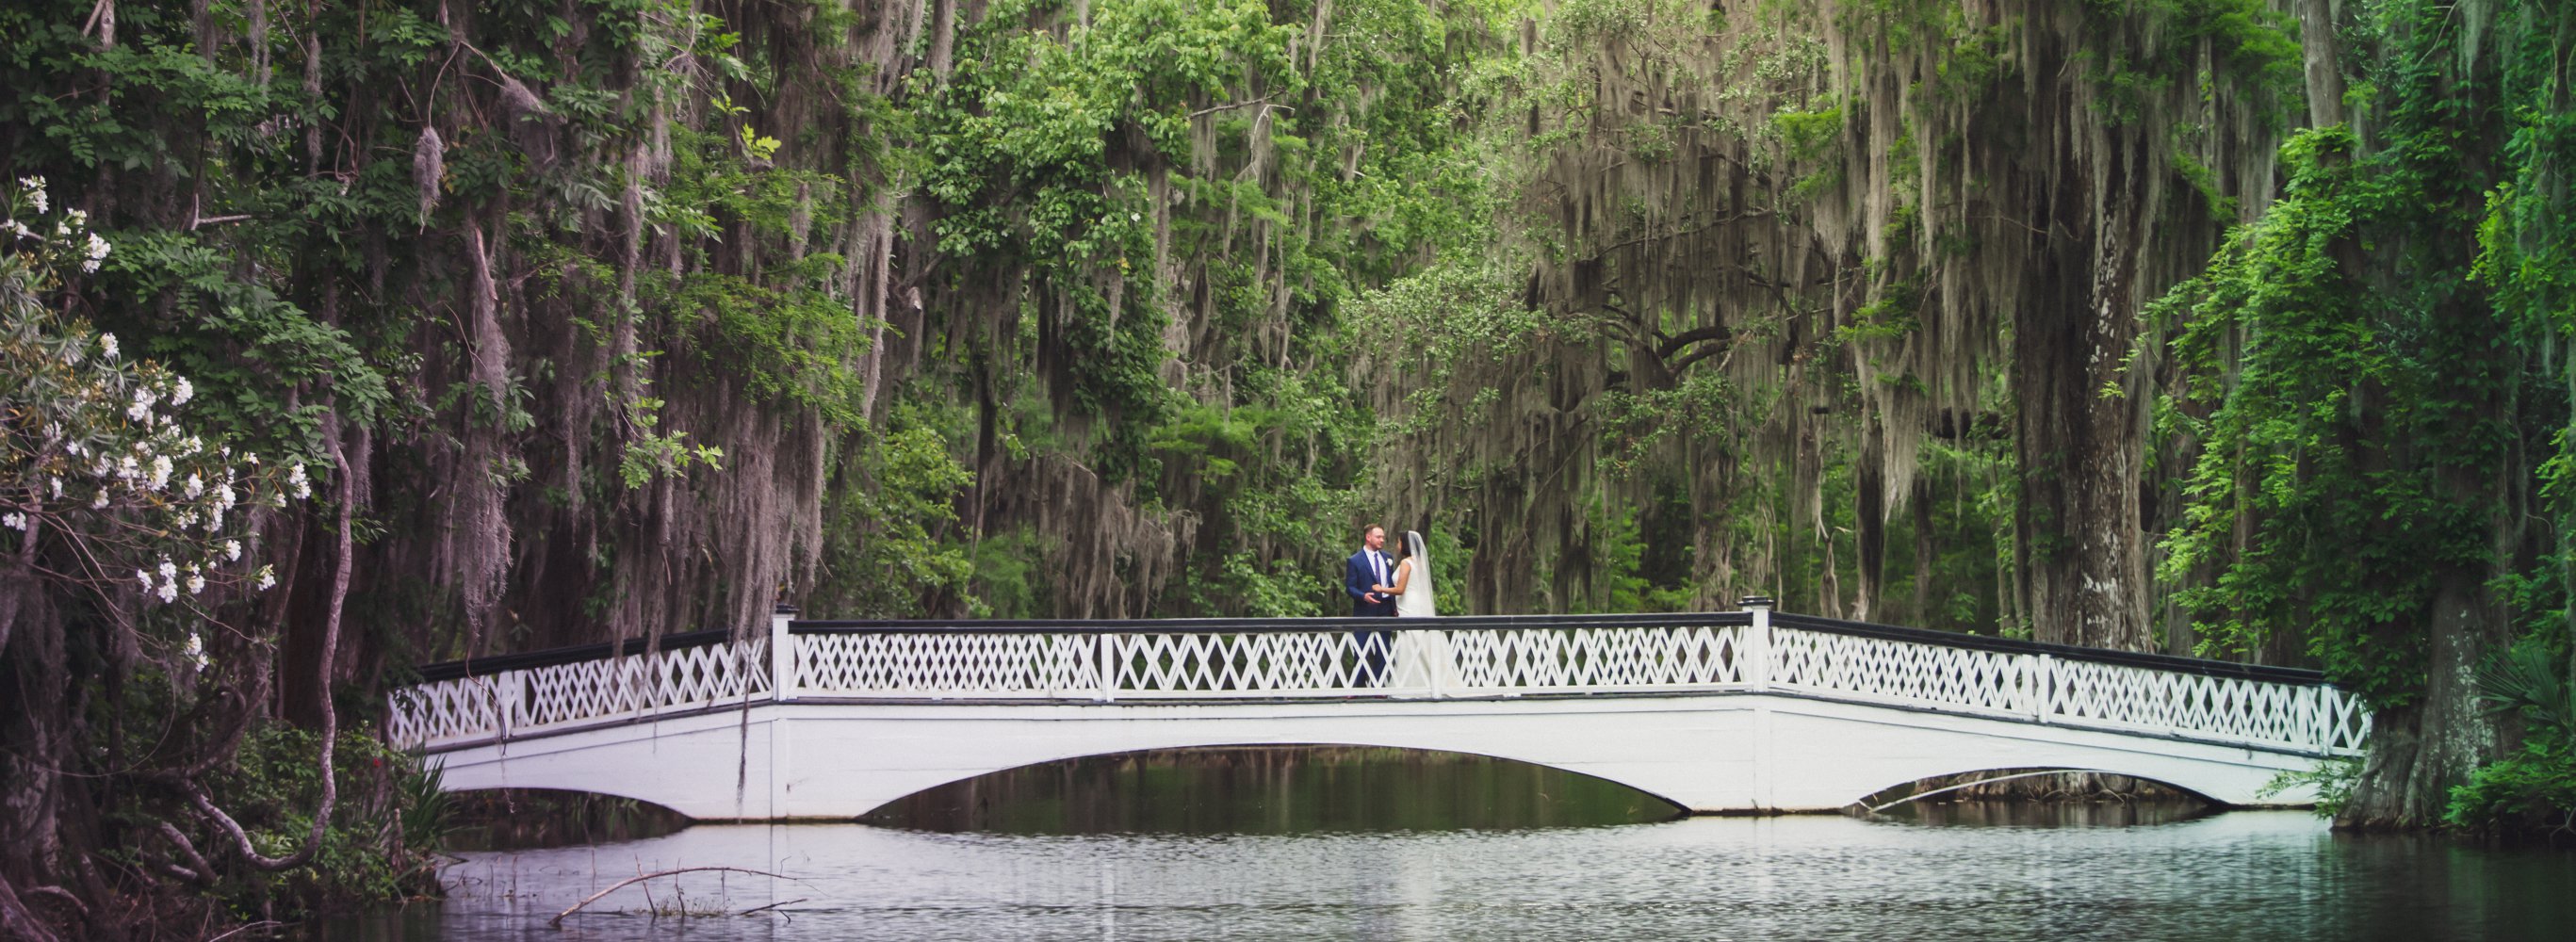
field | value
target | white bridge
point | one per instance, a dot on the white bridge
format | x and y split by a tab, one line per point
1720	712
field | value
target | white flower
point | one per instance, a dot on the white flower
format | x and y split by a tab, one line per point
14	521
303	488
76	217
187	518
195	486
223	497
252	457
180	397
214	520
36	195
98	247
56	483
196	584
145	578
107	345
142	407
169	592
18	227
169	570
160	471
196	651
267	577
89	267
126	467
99	502
232	550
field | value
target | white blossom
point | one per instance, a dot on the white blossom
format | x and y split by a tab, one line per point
196	650
99	502
145	578
14	521
127	468
169	570
56	484
187	518
232	550
169	592
37	196
20	228
98	249
267	577
295	477
196	584
195	487
160	471
32	184
180	397
141	410
76	218
107	345
223	497
215	519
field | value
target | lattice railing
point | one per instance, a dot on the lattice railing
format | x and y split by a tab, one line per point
511	702
1736	652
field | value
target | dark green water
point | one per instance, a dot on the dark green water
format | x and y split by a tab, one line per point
1289	848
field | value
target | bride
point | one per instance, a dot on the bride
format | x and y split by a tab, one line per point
1412	586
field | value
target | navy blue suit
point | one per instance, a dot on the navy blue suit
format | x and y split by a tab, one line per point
1357	577
1374	643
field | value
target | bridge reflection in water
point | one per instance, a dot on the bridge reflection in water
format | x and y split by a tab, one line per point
1272	790
1745	711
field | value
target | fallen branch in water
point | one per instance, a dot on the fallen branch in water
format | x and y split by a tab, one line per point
758	909
557	922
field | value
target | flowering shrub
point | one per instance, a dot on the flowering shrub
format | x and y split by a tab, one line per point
93	448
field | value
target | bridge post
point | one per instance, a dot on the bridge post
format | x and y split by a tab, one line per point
1757	643
2043	672
782	654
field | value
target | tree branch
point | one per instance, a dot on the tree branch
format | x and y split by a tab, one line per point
557	922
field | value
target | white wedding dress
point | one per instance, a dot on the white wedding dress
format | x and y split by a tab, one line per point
1422	660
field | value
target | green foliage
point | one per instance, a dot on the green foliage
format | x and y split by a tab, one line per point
2333	781
382	843
2533	790
892	538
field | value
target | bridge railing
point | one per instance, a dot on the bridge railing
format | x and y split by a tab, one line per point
1749	651
572	688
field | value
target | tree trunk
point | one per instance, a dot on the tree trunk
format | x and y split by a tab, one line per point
2078	528
2418	751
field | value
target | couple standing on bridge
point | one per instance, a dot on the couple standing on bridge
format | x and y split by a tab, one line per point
1383	587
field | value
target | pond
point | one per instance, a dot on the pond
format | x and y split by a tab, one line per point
1369	844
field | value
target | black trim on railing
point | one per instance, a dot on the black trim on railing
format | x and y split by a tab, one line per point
1245	626
2069	652
477	667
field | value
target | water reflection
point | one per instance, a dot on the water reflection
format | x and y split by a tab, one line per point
2239	875
1343	843
2034	814
1273	790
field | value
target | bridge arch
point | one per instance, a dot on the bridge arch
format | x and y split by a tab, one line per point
1275	786
1934	785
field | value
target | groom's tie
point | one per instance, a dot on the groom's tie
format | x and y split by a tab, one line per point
1378	562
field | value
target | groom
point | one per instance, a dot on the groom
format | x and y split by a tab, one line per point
1365	578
